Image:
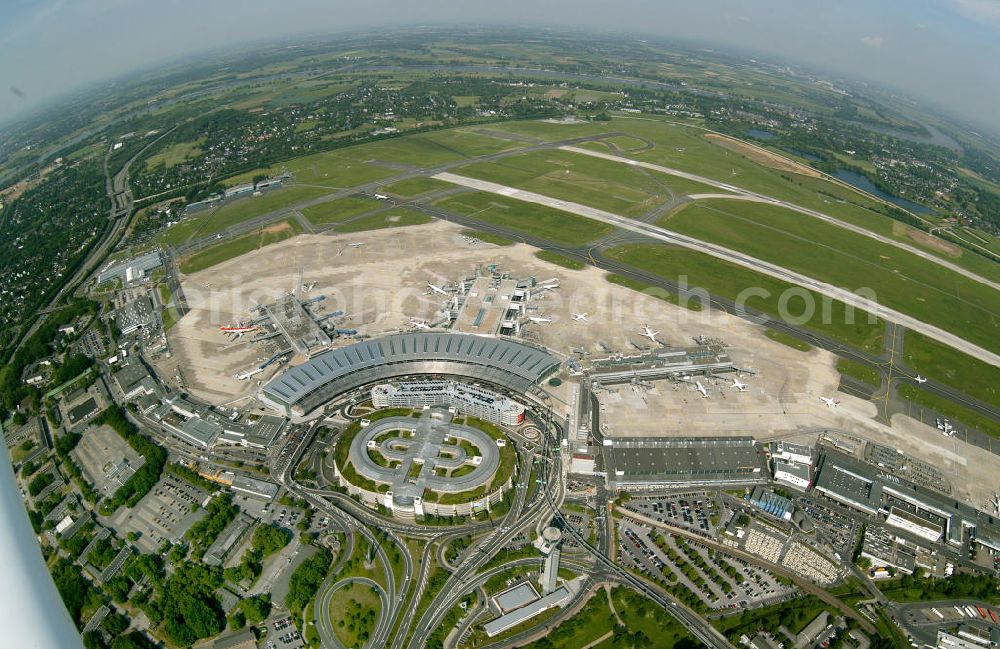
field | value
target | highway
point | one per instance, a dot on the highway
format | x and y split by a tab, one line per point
732	256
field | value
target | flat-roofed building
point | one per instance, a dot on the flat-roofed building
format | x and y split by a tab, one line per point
791	474
556	598
653	462
468	399
797	453
137	313
914	524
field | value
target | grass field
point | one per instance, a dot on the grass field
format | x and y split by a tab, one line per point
488	237
174	154
353	612
685	147
727	280
658	631
859	371
787	340
590	623
415	187
951	367
390	219
619	188
653	290
560	260
226	250
425	150
340	209
899	279
213	221
539	220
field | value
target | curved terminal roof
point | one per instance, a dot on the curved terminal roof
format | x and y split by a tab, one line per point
322	377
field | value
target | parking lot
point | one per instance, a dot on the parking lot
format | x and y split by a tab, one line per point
697	510
283	635
165	513
720	580
840	530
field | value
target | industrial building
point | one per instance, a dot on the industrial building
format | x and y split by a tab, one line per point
906	506
653	462
512	364
469	399
132	269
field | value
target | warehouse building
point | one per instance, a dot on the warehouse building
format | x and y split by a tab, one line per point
469	399
131	269
653	462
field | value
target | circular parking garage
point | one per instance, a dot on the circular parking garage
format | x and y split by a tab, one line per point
433	461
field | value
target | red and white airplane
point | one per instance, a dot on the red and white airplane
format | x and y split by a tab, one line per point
241	327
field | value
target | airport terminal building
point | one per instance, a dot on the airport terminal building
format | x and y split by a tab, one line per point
500	361
466	398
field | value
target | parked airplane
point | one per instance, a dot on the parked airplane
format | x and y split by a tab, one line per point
381	197
420	324
436	289
830	403
356	244
580	317
538	320
310	287
921	379
245	376
649	333
739	385
702	389
241	327
996	502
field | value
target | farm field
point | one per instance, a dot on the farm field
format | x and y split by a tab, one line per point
899	279
730	281
174	154
539	220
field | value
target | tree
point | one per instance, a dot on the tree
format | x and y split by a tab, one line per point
268	539
134	640
257	608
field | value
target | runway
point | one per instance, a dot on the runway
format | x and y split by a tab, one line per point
731	256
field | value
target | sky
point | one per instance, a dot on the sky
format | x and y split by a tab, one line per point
943	52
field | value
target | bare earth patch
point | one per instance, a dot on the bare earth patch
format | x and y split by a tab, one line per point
926	240
762	156
284	226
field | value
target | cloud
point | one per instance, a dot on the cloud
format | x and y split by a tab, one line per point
980	11
872	41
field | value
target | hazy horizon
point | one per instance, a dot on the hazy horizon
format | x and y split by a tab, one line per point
934	50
